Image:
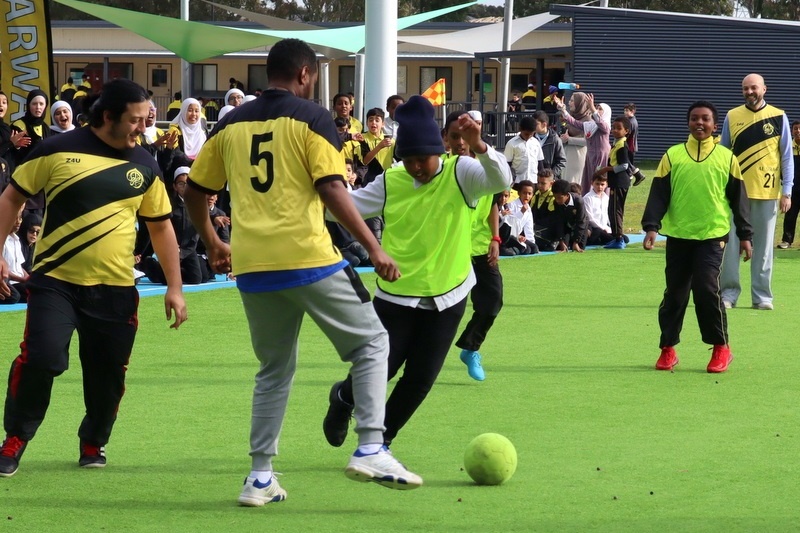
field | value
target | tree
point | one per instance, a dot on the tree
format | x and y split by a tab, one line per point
772	9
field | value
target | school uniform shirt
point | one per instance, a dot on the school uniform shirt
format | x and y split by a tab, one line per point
12	253
597	210
524	221
618	160
94	193
488	173
524	157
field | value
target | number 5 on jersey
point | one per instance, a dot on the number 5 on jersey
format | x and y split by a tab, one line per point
255	159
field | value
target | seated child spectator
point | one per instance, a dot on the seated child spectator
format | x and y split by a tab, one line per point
222	225
596	203
352	250
28	235
12	254
187	237
545	218
572	213
619	172
520	211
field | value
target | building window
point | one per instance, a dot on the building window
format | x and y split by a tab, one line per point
347	79
204	78
429	75
256	78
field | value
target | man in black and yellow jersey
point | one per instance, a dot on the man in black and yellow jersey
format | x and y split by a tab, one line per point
96	180
760	137
280	157
696	192
428	204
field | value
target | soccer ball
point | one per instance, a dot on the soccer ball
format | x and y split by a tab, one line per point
490	459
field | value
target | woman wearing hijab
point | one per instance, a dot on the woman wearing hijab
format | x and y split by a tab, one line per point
596	130
32	123
9	141
61	113
28	234
191	128
574	140
234	97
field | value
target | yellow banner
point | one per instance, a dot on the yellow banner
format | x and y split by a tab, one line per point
26	53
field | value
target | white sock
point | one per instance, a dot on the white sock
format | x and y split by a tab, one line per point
263	476
369	449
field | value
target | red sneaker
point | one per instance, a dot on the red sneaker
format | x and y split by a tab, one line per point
668	359
721	357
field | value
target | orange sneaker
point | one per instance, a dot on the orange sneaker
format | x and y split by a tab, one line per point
668	359
721	357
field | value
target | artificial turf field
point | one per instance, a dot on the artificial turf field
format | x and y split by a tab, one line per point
605	442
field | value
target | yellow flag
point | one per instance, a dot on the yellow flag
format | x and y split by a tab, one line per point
436	93
26	53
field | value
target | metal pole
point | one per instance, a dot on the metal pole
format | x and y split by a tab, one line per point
325	84
505	62
381	52
186	67
359	89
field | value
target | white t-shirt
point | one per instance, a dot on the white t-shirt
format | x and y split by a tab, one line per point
597	209
524	157
12	253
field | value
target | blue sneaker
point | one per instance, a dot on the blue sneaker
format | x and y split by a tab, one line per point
473	361
617	244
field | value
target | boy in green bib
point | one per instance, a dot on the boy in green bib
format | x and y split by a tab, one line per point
697	186
427	204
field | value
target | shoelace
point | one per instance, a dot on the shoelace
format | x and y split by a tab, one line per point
11	447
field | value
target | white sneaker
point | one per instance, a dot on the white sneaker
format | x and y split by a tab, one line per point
728	304
255	494
381	468
763	306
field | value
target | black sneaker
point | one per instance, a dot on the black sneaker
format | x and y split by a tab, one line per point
337	421
92	456
640	177
10	454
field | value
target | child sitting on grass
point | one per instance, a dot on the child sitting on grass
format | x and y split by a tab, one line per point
696	187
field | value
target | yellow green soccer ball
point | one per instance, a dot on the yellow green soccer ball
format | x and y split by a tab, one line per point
490	459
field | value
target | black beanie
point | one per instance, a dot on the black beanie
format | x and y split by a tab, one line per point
418	134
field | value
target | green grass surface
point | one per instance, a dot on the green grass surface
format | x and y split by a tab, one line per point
605	442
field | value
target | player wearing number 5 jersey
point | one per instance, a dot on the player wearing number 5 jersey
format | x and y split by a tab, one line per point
280	157
760	137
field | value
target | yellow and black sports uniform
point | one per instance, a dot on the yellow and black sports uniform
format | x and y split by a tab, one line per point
93	194
82	275
755	138
279	215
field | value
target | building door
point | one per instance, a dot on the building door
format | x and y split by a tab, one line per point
159	78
